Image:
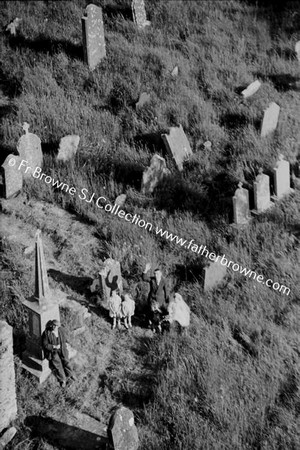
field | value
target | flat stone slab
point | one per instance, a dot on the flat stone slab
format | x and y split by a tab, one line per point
251	89
177	145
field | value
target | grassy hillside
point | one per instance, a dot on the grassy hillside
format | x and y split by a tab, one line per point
206	390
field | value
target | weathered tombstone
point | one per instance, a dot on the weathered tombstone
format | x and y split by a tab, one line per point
139	13
251	89
8	403
262	196
120	200
207	145
41	308
154	174
297	50
270	119
281	172
175	71
241	213
122	432
110	279
13	26
213	274
178	145
93	36
30	149
7	437
68	147
144	98
12	178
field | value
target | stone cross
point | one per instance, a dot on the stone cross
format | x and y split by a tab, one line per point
139	13
262	197
177	145
154	174
30	149
270	119
241	213
12	178
282	178
93	36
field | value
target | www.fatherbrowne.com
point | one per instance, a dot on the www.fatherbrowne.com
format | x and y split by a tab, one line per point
102	203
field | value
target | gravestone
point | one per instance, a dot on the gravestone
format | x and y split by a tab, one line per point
139	13
251	89
68	147
241	213
270	119
154	174
12	178
30	149
213	274
13	27
93	36
41	308
7	437
110	279
207	145
120	200
175	71
177	145
122	432
262	196
281	172
8	402
144	98
297	50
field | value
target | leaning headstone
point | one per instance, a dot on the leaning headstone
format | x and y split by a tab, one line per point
12	178
120	200
213	274
281	172
297	50
30	149
139	13
144	98
68	147
270	119
251	89
93	36
110	279
241	213
8	403
7	436
122	432
13	26
154	174
262	196
177	145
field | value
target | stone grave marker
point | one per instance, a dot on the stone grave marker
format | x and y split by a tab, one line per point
175	71
213	274
12	178
13	26
143	99
297	50
154	174
241	213
8	402
110	279
251	89
68	147
262	196
30	149
270	119
93	36
7	437
281	172
139	13
178	145
122	432
120	200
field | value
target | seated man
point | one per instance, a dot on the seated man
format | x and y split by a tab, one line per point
158	297
55	350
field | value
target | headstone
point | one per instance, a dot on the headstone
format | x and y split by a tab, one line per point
251	89
282	185
154	174
30	149
13	26
144	98
93	36
120	200
270	119
68	147
12	178
41	307
110	279
241	213
213	274
297	50
8	403
207	145
262	196
174	72
178	145
7	436
139	13
122	432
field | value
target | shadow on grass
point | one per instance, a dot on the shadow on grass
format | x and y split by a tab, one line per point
112	11
282	82
77	284
50	148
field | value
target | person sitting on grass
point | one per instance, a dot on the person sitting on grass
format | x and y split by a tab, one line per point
55	350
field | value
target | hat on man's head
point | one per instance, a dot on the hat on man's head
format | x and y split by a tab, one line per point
56	322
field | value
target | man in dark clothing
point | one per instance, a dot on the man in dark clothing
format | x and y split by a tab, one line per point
55	350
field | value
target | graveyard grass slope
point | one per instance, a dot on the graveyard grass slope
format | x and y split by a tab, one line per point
233	381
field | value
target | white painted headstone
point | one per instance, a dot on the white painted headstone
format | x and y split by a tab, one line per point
282	178
270	119
241	213
177	145
262	197
30	149
251	89
154	174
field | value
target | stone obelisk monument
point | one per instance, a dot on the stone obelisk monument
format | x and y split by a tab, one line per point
41	308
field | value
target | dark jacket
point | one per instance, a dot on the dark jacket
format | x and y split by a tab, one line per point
158	293
49	339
